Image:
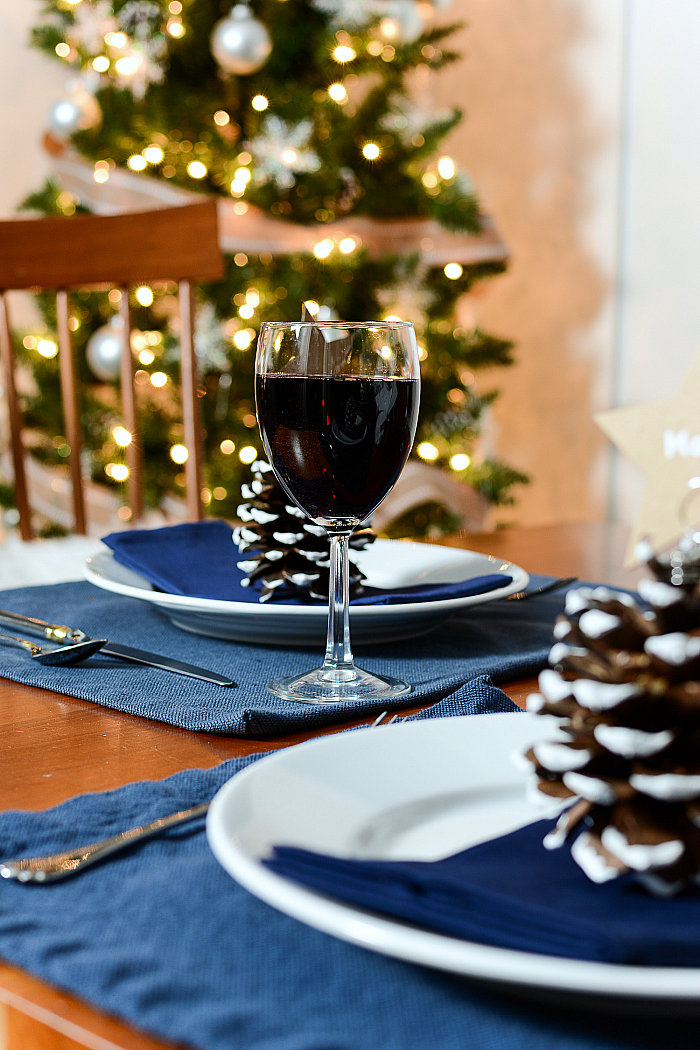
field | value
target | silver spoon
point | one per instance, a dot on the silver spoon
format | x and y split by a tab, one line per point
64	656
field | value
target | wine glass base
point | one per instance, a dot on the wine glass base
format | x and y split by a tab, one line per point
326	685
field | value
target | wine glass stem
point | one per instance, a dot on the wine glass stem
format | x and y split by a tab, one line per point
338	662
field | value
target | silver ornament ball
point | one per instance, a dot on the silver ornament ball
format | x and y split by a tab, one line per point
76	112
104	351
240	43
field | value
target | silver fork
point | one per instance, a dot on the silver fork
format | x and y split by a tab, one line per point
68	862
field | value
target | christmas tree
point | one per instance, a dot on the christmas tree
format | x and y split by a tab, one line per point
295	111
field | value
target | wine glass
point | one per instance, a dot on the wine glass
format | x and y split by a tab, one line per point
337	406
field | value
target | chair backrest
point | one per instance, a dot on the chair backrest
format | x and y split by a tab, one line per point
171	244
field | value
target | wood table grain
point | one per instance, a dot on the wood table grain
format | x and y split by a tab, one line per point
54	747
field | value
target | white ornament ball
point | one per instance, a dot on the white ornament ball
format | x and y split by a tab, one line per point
104	351
77	112
240	43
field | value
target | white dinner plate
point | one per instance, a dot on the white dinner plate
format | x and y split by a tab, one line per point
415	791
386	563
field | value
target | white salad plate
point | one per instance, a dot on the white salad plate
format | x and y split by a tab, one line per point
388	564
414	791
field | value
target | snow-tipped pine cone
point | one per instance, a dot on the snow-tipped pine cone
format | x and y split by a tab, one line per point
283	548
625	685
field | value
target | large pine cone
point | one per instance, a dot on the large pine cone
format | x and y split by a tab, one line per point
625	684
284	549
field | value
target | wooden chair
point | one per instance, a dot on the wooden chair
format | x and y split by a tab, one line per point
123	250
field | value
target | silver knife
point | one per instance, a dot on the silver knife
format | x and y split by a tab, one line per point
56	632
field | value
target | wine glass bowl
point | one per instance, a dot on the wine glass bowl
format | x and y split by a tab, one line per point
337	406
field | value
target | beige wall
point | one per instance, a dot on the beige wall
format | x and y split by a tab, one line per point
29	85
583	139
542	151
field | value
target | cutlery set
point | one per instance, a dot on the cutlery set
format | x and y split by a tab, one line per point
74	645
56	657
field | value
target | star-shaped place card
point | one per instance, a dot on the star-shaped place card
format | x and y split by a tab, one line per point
663	439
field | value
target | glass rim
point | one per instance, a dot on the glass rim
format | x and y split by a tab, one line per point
279	325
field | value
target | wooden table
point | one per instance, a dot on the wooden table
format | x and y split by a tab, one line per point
54	747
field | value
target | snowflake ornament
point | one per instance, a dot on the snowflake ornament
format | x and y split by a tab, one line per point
282	150
141	66
143	63
92	23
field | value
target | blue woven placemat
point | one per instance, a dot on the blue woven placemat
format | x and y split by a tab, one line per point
162	937
506	640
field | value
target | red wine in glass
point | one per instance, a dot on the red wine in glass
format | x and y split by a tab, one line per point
337	443
337	404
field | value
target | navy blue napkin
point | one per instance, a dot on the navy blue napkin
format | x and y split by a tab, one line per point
513	893
163	938
199	559
507	640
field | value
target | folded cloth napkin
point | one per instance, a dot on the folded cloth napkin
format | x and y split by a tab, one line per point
163	938
513	893
199	559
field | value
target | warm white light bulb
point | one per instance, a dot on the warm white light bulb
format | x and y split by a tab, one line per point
242	339
446	167
323	249
427	451
153	154
144	295
179	454
344	54
122	436
128	64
